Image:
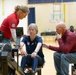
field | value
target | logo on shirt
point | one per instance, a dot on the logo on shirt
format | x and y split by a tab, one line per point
28	43
13	25
32	43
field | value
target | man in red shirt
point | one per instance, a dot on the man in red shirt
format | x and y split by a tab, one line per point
66	52
9	24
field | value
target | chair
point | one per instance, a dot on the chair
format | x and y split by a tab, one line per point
19	32
73	69
38	69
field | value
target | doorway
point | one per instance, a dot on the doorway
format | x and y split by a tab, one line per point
31	16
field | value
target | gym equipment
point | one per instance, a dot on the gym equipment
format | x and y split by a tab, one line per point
7	65
73	69
4	47
38	69
19	33
48	33
4	55
1	36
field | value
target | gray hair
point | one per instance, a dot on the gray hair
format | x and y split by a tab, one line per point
33	25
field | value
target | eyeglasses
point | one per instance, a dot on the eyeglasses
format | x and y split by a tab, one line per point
24	14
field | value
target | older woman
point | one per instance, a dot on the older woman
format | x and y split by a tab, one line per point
33	45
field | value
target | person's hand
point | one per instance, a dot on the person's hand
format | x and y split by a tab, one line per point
59	36
45	45
23	52
33	55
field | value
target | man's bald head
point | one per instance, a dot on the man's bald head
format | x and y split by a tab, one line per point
61	25
61	28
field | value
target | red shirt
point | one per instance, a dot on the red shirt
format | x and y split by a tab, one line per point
67	44
10	22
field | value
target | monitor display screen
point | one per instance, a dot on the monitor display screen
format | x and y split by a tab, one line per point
19	31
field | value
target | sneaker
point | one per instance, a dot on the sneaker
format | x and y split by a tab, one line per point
30	72
33	72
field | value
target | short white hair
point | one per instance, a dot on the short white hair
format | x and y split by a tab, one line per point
33	25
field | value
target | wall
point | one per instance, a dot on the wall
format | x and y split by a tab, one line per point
7	7
43	15
70	14
42	12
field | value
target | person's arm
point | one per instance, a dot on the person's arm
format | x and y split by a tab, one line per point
38	47
22	50
45	46
67	45
21	45
39	44
53	48
13	32
36	50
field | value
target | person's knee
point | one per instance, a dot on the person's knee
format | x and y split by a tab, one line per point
23	59
63	56
56	54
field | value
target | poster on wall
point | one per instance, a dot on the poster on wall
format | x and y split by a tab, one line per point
57	17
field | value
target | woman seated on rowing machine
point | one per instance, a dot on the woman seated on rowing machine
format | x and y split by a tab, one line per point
33	44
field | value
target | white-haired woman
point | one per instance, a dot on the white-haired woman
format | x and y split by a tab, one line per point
33	45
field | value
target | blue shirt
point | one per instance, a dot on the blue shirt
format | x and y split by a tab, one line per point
31	45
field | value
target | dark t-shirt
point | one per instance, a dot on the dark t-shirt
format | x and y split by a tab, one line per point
31	45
